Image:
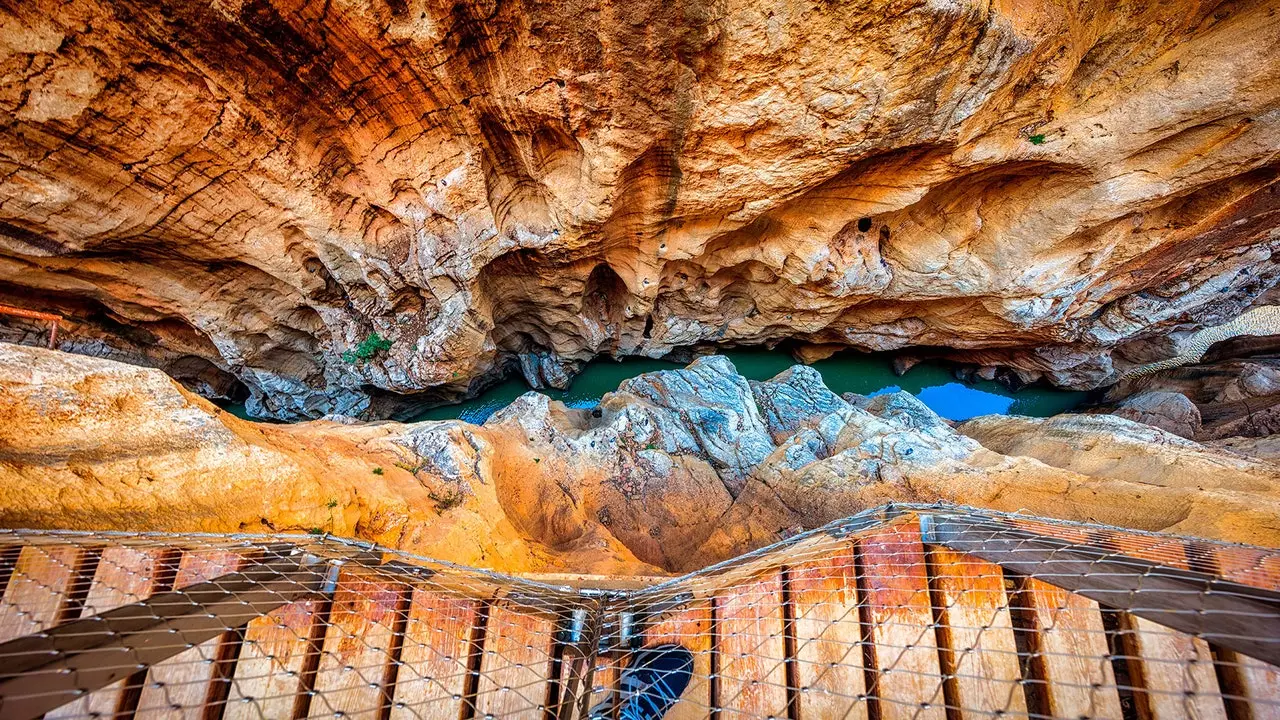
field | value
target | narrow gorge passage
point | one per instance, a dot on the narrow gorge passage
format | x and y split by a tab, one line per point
939	385
935	383
629	289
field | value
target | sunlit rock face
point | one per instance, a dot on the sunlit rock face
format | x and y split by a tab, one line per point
93	444
243	191
676	470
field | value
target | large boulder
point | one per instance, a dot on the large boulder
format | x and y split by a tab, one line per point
1234	397
1170	411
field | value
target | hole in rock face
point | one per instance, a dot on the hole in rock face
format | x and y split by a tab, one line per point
864	224
605	295
203	377
648	326
332	291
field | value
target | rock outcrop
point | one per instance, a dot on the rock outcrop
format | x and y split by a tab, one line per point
1169	411
1262	321
90	443
675	470
1236	397
246	193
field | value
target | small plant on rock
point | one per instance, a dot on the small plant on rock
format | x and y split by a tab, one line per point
1036	139
377	471
373	345
412	468
446	500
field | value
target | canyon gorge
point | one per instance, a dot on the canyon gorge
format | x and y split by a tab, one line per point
673	471
338	208
337	214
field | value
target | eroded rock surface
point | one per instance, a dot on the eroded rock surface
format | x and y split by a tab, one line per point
90	443
1236	397
1169	411
675	470
243	193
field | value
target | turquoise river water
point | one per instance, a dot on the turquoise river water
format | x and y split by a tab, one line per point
844	372
864	374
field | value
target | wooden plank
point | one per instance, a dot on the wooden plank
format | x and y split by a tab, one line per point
1071	652
1172	673
273	661
909	681
604	681
39	590
1164	551
691	627
1246	565
828	632
1067	533
516	663
124	575
1175	675
1260	684
128	574
1253	684
433	661
182	686
356	654
977	632
8	562
752	649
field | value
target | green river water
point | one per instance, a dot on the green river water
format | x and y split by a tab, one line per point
861	373
844	372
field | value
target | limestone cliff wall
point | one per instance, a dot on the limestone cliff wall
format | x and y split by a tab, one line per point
95	444
241	191
679	469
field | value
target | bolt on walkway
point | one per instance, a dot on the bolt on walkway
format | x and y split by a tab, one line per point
904	611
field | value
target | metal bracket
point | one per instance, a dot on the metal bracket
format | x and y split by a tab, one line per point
928	529
581	635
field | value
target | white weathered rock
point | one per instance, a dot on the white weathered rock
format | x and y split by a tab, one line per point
1169	411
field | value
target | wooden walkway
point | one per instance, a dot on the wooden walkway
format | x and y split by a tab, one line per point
878	624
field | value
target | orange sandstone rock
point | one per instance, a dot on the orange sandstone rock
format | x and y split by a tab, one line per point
682	468
245	193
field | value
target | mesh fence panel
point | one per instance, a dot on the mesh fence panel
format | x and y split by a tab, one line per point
903	611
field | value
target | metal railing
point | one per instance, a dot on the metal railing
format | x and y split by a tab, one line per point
901	611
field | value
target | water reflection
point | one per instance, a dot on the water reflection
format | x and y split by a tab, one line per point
954	401
859	373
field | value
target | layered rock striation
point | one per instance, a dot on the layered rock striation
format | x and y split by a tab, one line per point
1232	392
244	193
675	470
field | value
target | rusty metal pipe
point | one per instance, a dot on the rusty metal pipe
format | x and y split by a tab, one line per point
31	314
50	318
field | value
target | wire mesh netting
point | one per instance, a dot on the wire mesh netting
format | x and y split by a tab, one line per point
903	611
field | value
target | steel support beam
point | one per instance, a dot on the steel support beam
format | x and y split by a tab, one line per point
1229	614
43	671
